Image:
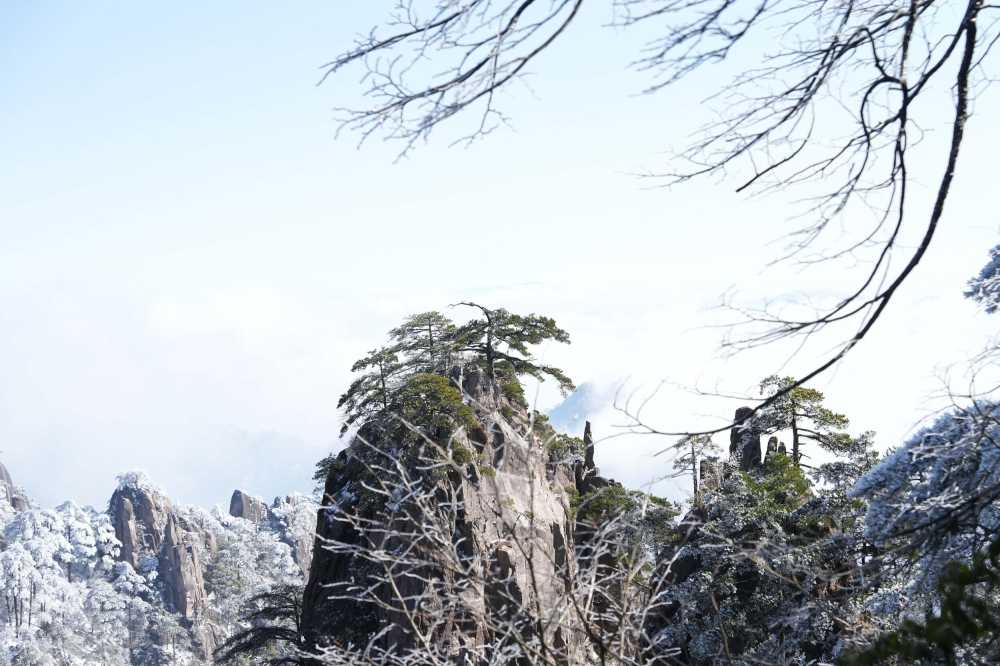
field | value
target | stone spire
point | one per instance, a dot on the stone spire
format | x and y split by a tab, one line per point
588	443
744	440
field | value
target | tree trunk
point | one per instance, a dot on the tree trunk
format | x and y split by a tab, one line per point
795	441
385	393
489	353
694	474
430	346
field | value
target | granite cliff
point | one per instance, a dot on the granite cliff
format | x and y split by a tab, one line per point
512	488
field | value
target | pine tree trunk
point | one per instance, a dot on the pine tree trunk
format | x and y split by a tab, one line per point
694	474
385	393
489	354
795	441
430	346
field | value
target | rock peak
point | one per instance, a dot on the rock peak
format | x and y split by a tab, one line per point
251	508
139	513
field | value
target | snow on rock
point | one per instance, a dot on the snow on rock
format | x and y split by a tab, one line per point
148	581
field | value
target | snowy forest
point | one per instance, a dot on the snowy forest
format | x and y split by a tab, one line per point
141	581
451	518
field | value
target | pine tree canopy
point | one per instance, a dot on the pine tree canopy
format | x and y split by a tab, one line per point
500	339
801	410
372	391
428	340
426	344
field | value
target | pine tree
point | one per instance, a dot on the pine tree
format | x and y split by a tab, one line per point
427	339
372	391
960	628
690	451
985	287
801	410
272	621
500	339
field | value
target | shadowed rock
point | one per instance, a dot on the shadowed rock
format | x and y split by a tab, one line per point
180	571
588	443
586	475
139	514
744	440
526	568
248	507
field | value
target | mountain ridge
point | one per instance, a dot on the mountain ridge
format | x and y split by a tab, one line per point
145	581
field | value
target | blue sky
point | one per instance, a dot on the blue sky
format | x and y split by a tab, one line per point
191	261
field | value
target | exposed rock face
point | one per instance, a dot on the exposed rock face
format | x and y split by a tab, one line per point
744	440
772	447
19	501
520	559
588	443
292	517
139	514
587	477
11	493
190	571
246	506
148	525
126	529
180	571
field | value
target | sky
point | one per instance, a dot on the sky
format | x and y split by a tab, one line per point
192	259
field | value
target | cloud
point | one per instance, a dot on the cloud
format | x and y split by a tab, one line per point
585	402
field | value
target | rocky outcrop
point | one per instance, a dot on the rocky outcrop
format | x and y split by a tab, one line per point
139	513
292	518
587	477
188	566
512	523
588	446
149	526
181	572
755	576
11	493
744	440
242	505
126	529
